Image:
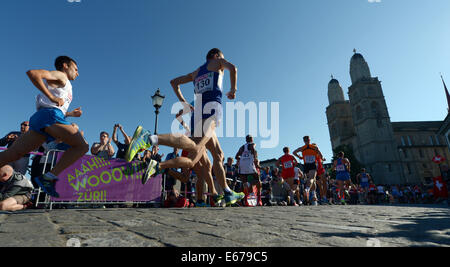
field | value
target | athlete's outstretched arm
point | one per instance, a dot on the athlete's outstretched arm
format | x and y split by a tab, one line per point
37	77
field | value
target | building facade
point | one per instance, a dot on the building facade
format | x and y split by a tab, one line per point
363	123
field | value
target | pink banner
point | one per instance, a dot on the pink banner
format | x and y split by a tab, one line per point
93	179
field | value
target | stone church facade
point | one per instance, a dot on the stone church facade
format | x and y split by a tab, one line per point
392	152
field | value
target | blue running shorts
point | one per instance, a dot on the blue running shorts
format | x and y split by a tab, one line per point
46	117
343	176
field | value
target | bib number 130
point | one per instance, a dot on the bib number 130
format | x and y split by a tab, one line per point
204	83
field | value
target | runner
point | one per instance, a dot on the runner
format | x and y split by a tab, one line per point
208	90
310	152
298	174
247	158
49	122
287	163
322	181
363	179
342	167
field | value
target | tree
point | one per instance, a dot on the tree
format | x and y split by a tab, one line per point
355	165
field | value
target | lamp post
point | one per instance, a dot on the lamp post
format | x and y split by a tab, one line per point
158	100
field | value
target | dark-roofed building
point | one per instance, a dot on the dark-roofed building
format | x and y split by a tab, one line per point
393	152
418	142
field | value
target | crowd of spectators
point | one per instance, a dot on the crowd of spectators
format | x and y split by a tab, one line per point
274	189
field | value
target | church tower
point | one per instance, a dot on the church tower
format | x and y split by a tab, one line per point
375	143
339	116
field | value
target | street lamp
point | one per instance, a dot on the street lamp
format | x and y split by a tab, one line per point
158	100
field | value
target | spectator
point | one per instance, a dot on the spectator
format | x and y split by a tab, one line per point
104	149
380	194
372	193
175	200
22	164
15	190
265	174
170	180
121	147
231	172
156	156
395	194
280	189
354	195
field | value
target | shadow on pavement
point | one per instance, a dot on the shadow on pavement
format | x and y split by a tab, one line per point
430	227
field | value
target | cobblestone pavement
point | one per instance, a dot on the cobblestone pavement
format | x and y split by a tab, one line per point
341	226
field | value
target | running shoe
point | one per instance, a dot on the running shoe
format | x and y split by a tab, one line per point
139	143
47	184
152	170
233	197
314	203
216	200
343	202
202	205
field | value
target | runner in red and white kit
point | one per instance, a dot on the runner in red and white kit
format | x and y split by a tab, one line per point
322	182
287	163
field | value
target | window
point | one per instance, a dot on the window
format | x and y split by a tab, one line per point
410	143
403	141
390	167
437	140
408	168
421	153
431	140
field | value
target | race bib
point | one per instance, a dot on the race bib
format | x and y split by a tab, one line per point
288	165
340	168
204	83
246	155
310	159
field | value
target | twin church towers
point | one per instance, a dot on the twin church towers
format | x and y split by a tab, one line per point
363	122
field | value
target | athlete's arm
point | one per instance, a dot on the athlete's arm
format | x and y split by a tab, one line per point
320	154
296	152
239	153
75	113
176	86
334	165
348	163
224	64
37	78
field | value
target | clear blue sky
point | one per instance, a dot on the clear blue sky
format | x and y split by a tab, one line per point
285	51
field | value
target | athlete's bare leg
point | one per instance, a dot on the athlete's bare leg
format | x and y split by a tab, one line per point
311	183
31	140
26	143
72	137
